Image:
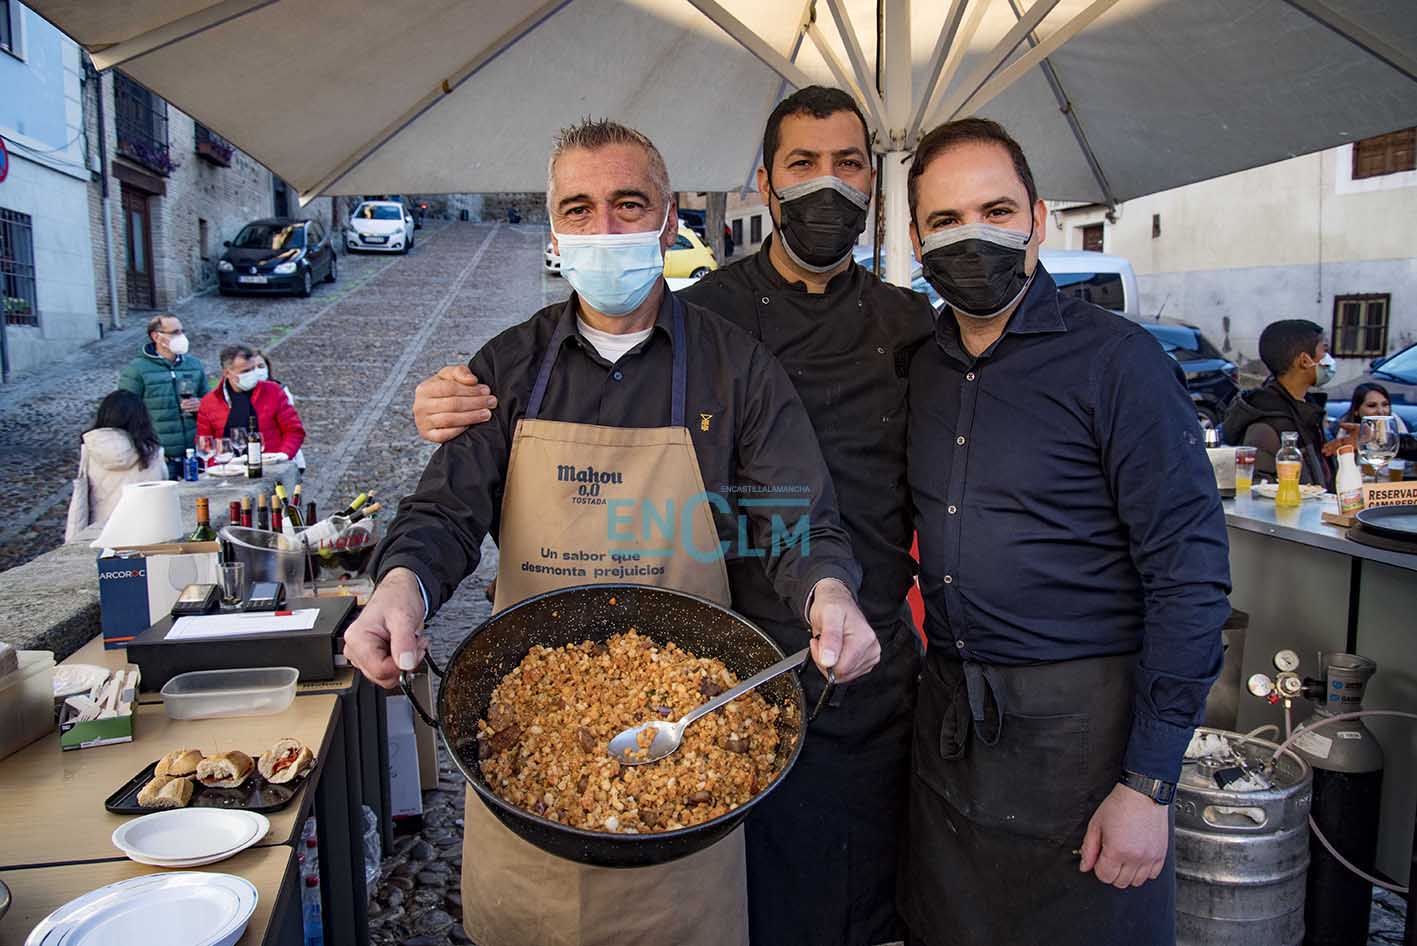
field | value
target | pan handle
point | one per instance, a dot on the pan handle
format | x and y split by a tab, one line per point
825	698
406	685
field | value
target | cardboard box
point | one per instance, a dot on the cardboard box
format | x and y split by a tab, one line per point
94	732
137	587
405	789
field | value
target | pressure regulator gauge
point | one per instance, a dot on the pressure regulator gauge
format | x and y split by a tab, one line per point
1261	685
1286	661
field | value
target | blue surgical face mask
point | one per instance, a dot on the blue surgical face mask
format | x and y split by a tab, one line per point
612	272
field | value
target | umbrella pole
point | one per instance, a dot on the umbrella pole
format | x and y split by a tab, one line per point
897	61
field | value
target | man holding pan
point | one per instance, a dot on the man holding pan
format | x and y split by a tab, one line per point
649	397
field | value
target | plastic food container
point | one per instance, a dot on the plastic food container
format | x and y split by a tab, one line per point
256	691
27	701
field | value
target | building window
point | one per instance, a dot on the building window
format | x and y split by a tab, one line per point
17	269
1360	325
141	121
1092	237
755	229
1385	154
1155	226
203	247
738	231
7	28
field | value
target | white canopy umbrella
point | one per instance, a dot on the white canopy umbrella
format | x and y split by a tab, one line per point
1110	98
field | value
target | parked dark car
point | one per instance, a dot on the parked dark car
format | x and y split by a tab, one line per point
277	254
697	221
1210	376
1397	373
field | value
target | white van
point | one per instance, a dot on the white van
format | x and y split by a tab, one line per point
1106	281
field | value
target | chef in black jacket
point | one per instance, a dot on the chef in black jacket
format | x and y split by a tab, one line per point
822	850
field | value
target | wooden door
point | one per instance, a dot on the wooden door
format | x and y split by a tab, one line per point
138	233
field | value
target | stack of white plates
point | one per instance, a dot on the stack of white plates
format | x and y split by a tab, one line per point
190	837
180	909
73	679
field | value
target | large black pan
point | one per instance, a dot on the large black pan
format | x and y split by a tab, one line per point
595	612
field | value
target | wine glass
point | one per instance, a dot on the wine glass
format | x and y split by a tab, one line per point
225	452
206	449
238	441
1377	441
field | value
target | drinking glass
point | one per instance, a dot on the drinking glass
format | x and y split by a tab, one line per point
233	584
186	387
1244	469
238	443
1377	441
206	449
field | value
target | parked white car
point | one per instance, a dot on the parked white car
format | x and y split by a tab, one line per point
382	225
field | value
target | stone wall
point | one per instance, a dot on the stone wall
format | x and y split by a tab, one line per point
487	208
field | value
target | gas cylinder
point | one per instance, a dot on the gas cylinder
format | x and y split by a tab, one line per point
1348	784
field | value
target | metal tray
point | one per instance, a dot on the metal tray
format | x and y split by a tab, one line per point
1393	522
255	795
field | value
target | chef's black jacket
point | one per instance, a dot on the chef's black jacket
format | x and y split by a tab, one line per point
824	847
749	430
1066	509
848	354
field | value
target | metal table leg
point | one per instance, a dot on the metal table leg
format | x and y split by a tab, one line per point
287	926
386	815
344	901
373	745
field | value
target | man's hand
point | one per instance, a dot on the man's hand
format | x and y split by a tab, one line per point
1347	434
841	638
190	405
450	402
1126	840
385	638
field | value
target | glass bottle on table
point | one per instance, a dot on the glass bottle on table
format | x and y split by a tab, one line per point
204	531
1287	464
253	450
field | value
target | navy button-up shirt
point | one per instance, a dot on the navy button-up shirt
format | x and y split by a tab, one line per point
1066	509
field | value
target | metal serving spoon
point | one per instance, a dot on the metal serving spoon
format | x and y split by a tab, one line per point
626	749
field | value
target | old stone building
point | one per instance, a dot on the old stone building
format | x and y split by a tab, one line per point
176	192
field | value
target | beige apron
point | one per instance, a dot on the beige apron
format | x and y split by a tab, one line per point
561	523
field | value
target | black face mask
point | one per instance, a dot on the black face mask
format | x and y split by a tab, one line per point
979	269
819	221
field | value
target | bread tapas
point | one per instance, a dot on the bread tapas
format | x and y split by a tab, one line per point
225	769
286	761
179	762
166	791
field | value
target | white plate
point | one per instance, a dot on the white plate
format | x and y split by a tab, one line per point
178	909
235	468
189	834
73	679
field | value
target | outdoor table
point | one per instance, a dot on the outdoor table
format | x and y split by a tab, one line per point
1310	588
38	891
362	704
53	811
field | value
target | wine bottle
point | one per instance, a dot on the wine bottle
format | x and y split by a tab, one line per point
359	500
263	515
310	512
234	513
253	450
287	508
276	525
327	530
246	512
204	531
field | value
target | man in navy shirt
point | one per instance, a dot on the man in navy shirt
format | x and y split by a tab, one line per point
1074	568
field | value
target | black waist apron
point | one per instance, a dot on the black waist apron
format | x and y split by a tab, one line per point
1009	764
825	846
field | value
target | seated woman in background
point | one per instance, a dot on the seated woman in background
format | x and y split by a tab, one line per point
265	372
120	448
1371	400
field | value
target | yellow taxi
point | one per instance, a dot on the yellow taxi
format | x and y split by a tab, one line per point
688	257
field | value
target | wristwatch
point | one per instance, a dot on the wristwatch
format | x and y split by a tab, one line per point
1153	788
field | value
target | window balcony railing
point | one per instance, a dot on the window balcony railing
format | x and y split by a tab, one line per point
141	121
213	147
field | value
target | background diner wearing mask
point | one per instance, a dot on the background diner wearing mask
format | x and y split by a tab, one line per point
245	393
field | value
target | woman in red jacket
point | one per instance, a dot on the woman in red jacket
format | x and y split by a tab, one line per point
244	393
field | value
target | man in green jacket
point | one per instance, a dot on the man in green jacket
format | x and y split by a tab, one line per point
171	384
